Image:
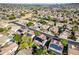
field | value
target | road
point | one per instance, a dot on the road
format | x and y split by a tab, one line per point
69	40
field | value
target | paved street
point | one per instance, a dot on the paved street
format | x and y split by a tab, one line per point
70	41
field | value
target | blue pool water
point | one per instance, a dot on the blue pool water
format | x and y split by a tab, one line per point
56	47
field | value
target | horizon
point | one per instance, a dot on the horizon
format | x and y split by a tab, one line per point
39	1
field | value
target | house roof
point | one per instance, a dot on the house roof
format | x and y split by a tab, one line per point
73	52
25	52
3	39
8	49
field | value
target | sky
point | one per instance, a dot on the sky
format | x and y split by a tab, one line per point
39	1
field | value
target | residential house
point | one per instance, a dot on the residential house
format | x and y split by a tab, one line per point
3	40
8	49
54	30
56	46
64	35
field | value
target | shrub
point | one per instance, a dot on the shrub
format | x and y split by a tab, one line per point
1	29
42	22
37	33
11	17
22	14
29	24
64	41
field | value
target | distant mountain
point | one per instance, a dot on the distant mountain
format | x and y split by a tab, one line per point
64	5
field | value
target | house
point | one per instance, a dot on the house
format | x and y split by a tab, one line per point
45	27
3	40
56	46
73	50
64	35
14	28
39	41
69	26
54	29
3	24
25	52
8	49
30	32
42	36
77	36
37	26
59	24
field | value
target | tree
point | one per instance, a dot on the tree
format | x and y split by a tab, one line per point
64	21
75	28
47	43
26	42
55	21
65	46
7	29
37	33
51	52
48	18
29	24
64	42
65	50
41	51
42	22
11	17
17	38
30	41
4	10
72	36
22	14
23	42
23	45
24	38
1	29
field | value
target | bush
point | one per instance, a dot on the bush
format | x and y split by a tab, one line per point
37	33
1	29
64	41
75	28
29	24
12	17
17	38
51	52
22	14
42	22
9	28
48	18
40	51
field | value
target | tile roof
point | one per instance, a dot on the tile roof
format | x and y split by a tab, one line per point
8	49
3	39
